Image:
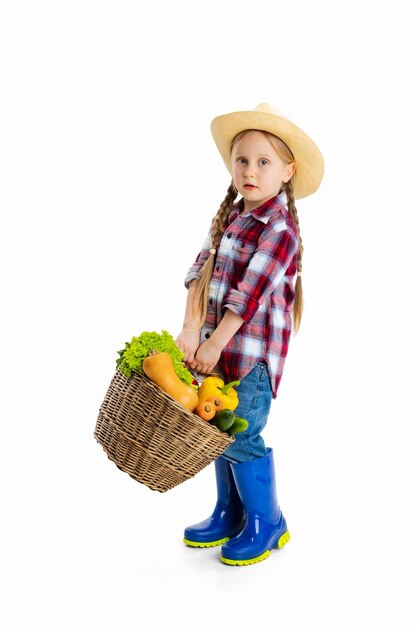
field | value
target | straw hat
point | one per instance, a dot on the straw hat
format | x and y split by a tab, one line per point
308	158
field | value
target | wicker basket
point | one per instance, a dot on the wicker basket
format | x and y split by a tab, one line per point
153	438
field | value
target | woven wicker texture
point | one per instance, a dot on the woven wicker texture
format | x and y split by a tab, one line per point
153	438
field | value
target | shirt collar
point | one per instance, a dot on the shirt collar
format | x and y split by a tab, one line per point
264	212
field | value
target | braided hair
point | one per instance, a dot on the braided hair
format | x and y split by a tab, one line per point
298	301
218	227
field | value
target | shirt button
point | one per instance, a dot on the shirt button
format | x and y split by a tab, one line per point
207	335
210	301
217	268
229	235
243	245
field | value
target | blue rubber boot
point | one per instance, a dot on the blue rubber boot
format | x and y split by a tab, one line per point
228	517
265	527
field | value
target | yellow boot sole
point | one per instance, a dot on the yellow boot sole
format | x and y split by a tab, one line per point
205	544
282	541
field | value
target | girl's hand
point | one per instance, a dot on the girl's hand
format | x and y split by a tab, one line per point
188	342
206	357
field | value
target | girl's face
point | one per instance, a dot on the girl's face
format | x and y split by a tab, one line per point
258	171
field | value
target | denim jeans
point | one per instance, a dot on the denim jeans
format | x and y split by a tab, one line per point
254	397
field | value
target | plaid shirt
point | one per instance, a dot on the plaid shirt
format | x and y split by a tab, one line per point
253	276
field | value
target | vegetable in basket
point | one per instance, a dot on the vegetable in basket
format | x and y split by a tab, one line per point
218	403
131	357
224	419
206	410
228	422
238	426
214	386
160	369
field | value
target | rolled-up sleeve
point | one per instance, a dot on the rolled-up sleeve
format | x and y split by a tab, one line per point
275	252
201	258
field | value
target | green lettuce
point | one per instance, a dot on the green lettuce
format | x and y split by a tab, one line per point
133	354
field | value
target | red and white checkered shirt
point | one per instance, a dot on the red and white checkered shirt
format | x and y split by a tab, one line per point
254	273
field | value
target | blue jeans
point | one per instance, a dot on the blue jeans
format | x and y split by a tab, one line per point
254	396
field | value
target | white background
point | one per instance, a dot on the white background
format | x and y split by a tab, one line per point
108	179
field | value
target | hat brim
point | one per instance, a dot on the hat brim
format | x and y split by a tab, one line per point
308	158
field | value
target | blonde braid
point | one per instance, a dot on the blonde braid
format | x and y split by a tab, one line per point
220	220
298	302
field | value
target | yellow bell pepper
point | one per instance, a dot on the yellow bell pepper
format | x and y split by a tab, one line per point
215	386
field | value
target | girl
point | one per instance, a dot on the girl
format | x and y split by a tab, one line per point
243	291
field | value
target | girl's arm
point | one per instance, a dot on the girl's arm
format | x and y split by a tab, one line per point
210	350
188	339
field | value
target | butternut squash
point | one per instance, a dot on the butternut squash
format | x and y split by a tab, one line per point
159	368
